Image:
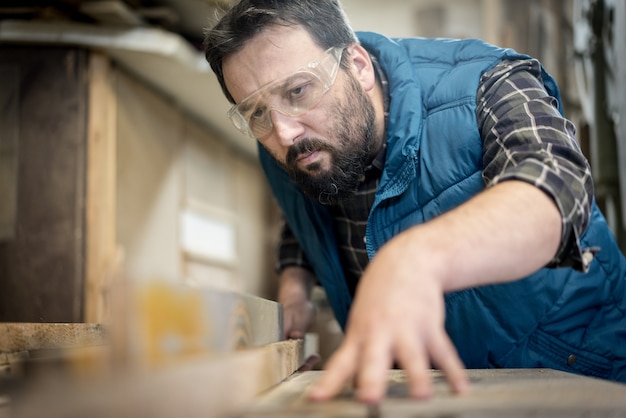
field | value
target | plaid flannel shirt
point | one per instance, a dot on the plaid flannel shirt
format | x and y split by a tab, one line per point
524	138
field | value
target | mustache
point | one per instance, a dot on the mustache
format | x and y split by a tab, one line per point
305	146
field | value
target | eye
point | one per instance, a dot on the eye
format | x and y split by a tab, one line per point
257	113
297	92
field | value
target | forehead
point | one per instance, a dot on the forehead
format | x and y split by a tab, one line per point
274	53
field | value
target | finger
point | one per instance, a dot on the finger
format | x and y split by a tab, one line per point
309	363
446	358
295	334
339	371
374	370
291	327
414	359
297	320
287	325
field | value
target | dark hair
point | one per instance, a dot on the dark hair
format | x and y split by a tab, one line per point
324	20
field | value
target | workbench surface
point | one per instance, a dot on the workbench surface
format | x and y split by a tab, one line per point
515	393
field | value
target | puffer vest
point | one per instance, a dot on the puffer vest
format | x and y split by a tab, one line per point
557	318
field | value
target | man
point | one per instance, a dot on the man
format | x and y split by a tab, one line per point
436	192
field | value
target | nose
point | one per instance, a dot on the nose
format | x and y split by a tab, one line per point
286	128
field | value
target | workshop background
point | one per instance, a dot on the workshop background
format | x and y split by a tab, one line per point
118	166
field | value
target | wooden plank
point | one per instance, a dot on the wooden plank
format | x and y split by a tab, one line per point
111	12
9	129
5	408
16	337
164	324
42	268
101	256
204	387
517	393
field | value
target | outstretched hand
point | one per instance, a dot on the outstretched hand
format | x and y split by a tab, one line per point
294	294
298	318
398	315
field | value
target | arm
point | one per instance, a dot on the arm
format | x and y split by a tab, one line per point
526	139
517	225
502	234
295	284
294	294
509	231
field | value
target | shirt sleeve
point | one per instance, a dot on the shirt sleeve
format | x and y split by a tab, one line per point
526	138
289	251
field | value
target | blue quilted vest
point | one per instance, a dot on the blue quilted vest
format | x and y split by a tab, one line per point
557	318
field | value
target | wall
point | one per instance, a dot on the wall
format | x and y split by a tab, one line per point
171	170
399	18
95	164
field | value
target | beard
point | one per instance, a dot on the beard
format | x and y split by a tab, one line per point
352	124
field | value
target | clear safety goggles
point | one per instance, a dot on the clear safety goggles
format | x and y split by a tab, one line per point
292	95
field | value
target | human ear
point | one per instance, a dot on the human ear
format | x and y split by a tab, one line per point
361	66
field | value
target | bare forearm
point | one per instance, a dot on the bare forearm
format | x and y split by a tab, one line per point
295	285
294	294
503	234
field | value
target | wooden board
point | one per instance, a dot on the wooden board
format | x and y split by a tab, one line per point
102	258
203	387
41	267
9	130
166	324
518	393
15	337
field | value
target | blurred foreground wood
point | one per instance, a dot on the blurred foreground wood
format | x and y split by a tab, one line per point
174	351
510	393
264	382
206	386
169	351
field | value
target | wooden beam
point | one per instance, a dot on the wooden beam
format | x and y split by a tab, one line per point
156	323
202	387
101	255
42	266
111	12
15	337
520	393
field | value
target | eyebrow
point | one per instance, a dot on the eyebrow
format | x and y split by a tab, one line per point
287	83
281	84
247	104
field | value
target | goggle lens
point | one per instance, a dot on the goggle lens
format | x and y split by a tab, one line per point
293	95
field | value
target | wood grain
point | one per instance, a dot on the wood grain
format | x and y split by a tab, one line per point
495	393
15	337
101	254
213	386
41	269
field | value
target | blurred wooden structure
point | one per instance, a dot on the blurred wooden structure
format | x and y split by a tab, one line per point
514	393
134	249
105	173
167	350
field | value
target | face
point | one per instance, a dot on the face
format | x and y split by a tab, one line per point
324	150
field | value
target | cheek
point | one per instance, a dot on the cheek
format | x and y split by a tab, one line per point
319	123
